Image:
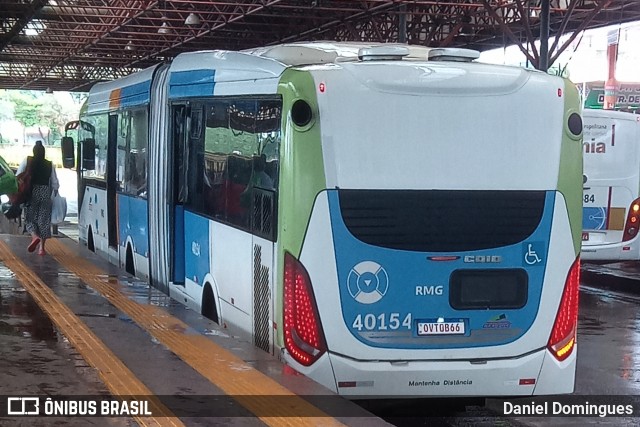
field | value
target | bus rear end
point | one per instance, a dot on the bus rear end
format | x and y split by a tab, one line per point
440	256
611	204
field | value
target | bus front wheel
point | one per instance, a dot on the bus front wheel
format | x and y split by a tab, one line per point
90	244
129	262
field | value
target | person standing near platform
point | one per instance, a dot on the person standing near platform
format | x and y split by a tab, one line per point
44	181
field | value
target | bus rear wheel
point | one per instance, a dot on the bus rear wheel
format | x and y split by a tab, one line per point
209	309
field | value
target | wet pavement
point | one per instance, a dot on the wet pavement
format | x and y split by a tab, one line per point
36	360
609	343
608	354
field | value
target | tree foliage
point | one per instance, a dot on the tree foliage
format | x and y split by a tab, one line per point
32	108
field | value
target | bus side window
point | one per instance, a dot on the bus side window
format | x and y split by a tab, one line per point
99	154
215	171
271	169
240	162
238	180
264	196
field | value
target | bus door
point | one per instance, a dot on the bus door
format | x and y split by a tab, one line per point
112	183
177	201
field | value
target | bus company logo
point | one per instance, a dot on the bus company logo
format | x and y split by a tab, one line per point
482	259
594	147
497	322
195	248
368	282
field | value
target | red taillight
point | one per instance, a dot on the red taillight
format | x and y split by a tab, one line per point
563	335
633	221
303	337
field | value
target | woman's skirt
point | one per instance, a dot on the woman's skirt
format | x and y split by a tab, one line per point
38	212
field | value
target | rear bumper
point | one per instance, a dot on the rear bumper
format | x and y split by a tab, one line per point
505	377
611	252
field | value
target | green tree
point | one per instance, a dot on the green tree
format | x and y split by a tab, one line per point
33	108
26	107
6	109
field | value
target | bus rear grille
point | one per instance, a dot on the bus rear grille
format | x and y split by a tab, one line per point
263	216
261	302
441	221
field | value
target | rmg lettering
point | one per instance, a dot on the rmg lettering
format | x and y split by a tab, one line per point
429	290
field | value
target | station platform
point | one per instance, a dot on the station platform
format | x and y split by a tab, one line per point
76	327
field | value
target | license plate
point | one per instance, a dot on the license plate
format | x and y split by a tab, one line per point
585	237
441	328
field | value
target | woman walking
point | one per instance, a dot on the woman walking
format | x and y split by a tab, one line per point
38	208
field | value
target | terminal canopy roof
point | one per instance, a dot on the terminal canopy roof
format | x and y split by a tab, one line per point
71	44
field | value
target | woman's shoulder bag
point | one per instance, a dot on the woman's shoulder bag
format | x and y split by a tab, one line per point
25	187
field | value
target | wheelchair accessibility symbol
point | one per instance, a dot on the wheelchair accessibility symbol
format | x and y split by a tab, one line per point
367	282
532	254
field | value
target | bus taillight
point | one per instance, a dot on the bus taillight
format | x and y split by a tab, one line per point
303	336
633	221
563	335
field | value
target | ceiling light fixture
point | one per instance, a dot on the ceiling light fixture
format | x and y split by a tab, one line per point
48	90
164	28
130	46
192	19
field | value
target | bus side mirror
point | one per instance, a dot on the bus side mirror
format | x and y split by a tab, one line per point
89	154
68	153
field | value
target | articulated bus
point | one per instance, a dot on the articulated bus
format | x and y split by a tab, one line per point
611	199
389	220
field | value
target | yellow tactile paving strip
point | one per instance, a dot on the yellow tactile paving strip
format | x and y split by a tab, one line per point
117	377
227	371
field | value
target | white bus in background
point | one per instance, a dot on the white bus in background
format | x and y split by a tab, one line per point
611	198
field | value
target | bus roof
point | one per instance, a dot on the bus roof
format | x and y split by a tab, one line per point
290	54
611	114
258	70
129	91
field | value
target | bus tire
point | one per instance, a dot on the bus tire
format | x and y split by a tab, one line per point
128	266
209	309
90	244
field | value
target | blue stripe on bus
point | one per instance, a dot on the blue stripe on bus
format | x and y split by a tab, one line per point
377	319
135	95
196	247
133	222
184	84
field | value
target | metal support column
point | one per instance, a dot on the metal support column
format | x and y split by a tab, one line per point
545	15
402	24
